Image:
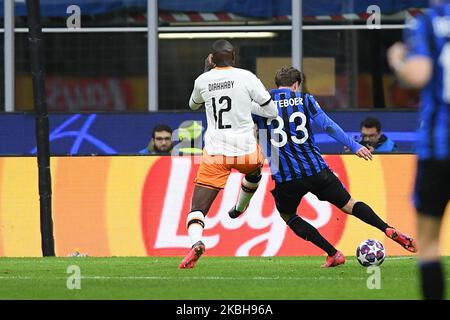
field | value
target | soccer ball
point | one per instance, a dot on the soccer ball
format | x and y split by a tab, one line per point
370	253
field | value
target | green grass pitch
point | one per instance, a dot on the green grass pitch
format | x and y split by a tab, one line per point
215	278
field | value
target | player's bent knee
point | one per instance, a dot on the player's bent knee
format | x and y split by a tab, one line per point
348	208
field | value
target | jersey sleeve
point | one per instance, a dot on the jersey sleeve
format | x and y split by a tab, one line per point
258	92
196	100
416	37
313	107
328	125
268	111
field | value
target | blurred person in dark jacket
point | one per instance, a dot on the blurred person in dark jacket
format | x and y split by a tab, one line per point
161	142
373	138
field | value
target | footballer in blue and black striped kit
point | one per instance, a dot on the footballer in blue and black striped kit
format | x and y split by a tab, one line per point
289	137
429	38
297	165
424	62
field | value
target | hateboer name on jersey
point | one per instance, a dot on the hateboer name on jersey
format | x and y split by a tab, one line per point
220	85
289	102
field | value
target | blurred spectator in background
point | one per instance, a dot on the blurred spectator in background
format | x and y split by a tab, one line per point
190	136
373	138
161	142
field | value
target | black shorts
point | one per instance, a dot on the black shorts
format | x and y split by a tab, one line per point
432	190
325	185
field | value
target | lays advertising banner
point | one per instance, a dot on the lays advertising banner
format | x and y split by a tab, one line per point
137	206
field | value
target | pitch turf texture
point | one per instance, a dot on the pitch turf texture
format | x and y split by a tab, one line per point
218	278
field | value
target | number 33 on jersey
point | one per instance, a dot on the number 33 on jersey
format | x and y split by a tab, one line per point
287	140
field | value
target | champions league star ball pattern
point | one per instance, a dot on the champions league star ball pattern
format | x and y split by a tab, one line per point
370	253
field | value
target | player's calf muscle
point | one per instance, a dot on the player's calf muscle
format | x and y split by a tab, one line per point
203	199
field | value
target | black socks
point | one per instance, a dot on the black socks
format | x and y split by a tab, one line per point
432	278
363	212
307	232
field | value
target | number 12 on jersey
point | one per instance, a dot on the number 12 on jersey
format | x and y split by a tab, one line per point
218	115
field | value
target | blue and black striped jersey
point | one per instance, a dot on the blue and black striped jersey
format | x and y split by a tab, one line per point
429	36
288	141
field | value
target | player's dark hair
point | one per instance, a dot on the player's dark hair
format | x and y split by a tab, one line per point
161	127
371	122
223	53
287	76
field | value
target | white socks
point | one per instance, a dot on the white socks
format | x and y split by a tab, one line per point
195	223
246	194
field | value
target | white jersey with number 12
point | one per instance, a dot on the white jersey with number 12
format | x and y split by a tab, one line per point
228	94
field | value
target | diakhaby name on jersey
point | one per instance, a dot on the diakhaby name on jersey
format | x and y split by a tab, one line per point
289	102
221	85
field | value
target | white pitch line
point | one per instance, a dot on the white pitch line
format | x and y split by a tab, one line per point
192	278
209	278
178	278
201	278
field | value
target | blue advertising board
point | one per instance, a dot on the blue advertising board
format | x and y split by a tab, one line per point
128	133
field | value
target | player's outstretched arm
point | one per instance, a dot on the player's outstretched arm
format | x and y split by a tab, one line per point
336	132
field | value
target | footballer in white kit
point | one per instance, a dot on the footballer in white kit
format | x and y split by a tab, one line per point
227	93
230	96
